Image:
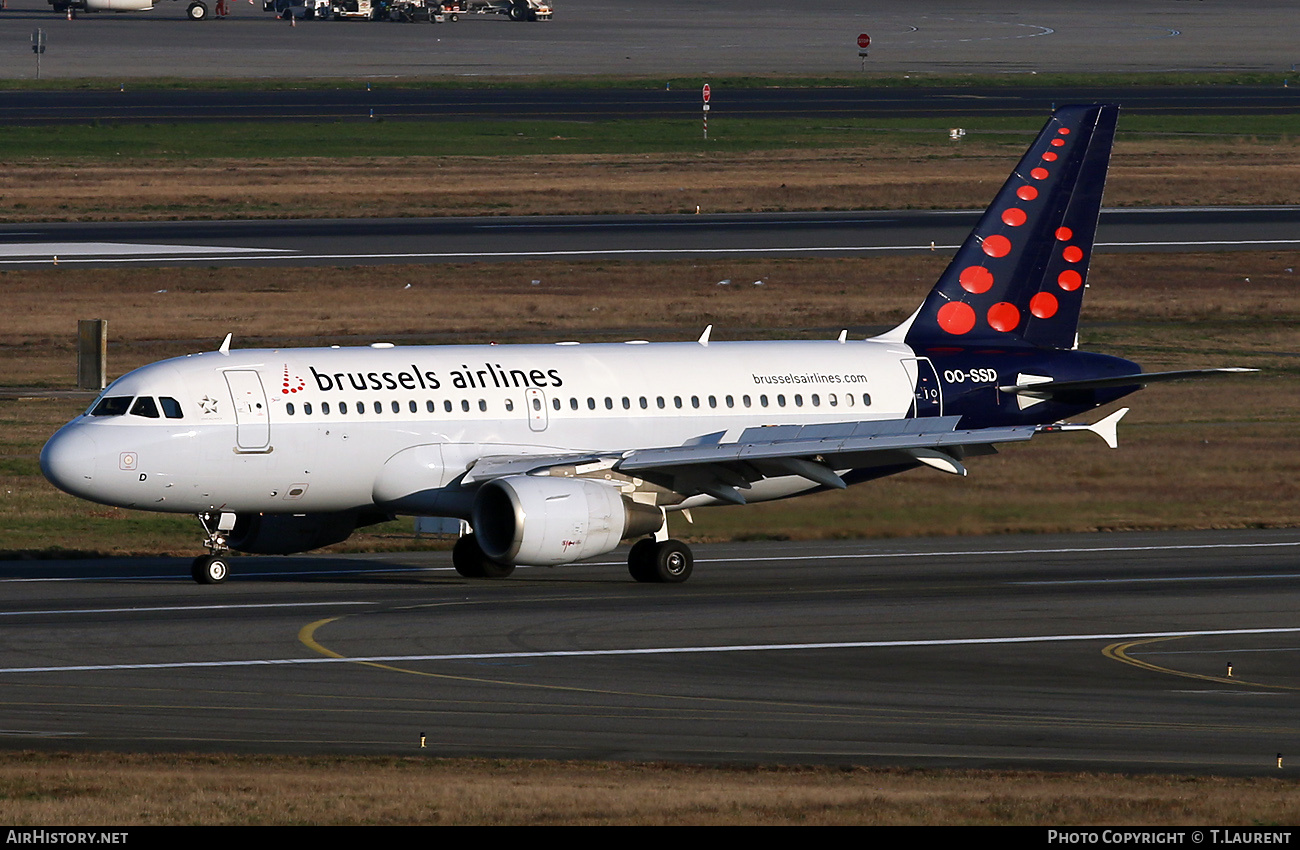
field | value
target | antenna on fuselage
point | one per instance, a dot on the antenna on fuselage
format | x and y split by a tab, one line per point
225	343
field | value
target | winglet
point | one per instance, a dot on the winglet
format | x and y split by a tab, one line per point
704	337
225	344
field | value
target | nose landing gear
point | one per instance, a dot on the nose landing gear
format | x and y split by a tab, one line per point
213	568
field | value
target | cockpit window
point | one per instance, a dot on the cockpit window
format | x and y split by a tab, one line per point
115	405
171	407
145	406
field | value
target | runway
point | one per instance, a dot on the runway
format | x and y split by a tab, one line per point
487	239
671	38
1106	651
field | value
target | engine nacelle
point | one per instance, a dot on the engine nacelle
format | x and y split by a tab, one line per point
541	521
285	534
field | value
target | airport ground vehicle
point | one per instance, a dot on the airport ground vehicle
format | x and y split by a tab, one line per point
516	10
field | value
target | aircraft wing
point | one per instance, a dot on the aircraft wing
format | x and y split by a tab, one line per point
722	468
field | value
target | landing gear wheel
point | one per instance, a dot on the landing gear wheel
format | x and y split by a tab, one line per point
519	12
470	561
209	569
197	11
669	562
640	559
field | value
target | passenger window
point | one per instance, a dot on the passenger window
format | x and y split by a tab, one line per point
482	405
325	408
609	403
413	407
555	403
745	400
627	403
306	408
695	401
361	407
446	405
660	401
288	408
763	399
379	407
171	407
146	407
798	400
343	407
645	403
428	406
780	400
866	400
816	400
713	401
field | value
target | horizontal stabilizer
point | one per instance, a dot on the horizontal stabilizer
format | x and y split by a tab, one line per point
1107	429
1050	389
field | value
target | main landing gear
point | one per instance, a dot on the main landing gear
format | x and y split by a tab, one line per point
650	560
213	568
663	561
470	561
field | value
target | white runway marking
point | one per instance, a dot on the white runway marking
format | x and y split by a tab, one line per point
42	250
276	254
667	650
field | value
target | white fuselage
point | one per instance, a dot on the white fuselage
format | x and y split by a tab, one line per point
314	430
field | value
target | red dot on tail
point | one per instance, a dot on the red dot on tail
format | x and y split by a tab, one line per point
975	279
1049	157
956	317
1003	316
997	246
1043	305
1014	216
1064	131
1072	254
1039	174
1026	193
1069	280
1064	234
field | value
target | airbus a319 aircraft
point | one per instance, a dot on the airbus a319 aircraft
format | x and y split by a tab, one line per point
555	453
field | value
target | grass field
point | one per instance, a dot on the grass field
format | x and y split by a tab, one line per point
1227	447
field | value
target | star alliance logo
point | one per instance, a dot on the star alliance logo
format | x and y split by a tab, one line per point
209	405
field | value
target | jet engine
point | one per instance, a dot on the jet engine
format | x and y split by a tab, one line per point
541	521
285	534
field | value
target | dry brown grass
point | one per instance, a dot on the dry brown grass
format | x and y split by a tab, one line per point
1227	448
879	175
136	790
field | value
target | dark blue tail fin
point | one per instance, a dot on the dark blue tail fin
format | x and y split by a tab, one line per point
1019	277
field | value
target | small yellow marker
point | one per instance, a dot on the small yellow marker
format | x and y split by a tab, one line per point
1279	761
56	259
1229	669
422	746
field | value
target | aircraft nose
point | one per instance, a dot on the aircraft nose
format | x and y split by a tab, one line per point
68	461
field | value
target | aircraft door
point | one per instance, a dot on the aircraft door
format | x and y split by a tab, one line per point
535	401
252	417
927	396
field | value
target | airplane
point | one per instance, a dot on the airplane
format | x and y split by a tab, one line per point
558	452
197	10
